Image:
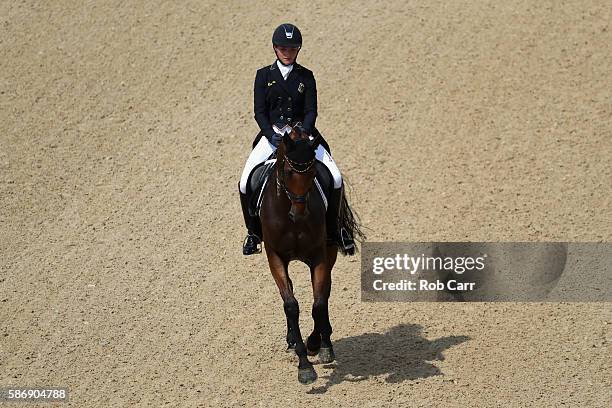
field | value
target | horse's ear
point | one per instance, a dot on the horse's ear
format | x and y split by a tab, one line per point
299	129
288	141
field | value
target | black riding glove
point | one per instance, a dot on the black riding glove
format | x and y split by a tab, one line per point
275	139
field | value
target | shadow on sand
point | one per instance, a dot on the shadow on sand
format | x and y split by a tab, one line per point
401	353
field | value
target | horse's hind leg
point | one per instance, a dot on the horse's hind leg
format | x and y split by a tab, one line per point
306	372
320	339
313	343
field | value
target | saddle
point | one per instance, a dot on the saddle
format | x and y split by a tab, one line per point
258	179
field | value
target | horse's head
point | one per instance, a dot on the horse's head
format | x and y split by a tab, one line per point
296	170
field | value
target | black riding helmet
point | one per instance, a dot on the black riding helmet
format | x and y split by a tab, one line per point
287	35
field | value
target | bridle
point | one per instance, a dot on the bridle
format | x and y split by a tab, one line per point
298	168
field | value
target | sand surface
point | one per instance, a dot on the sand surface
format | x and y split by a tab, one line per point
124	127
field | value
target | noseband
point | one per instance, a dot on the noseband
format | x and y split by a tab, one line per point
298	168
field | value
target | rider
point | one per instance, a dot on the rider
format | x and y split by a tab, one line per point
286	95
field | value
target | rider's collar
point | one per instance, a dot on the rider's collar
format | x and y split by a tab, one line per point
284	69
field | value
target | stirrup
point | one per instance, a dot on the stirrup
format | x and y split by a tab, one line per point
347	242
250	245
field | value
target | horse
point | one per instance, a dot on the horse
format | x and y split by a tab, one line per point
293	225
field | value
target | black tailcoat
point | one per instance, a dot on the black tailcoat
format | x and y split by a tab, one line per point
280	101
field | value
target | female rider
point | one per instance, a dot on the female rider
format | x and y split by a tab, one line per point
286	95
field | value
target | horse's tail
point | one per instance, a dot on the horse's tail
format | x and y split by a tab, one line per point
349	220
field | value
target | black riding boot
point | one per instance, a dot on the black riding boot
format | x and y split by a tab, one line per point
339	235
252	240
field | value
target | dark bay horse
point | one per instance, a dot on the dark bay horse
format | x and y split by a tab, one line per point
294	228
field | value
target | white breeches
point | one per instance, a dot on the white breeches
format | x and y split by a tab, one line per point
264	149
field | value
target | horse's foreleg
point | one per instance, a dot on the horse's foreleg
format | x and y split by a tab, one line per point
320	339
306	372
290	339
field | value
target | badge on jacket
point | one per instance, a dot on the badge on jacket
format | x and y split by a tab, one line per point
271	83
301	87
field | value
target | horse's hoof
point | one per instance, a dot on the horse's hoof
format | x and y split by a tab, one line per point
307	375
326	355
312	353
